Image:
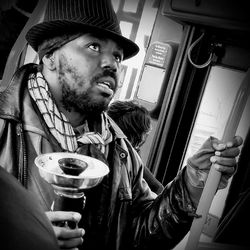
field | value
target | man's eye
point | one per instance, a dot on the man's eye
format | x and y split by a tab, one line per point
95	47
118	58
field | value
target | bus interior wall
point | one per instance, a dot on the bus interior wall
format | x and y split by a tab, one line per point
186	84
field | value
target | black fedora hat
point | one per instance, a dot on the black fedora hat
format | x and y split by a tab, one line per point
71	16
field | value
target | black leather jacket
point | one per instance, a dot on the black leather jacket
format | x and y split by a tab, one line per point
122	212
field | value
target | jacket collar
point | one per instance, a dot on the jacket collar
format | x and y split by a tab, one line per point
11	96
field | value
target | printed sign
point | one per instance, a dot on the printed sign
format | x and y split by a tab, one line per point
157	54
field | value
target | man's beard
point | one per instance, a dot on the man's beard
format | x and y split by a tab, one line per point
82	103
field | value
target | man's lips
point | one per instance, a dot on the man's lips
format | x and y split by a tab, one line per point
106	86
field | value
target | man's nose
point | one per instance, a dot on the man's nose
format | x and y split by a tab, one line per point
108	61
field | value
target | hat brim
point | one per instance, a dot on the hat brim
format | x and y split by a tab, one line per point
42	31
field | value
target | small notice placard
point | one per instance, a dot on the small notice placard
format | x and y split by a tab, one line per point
157	54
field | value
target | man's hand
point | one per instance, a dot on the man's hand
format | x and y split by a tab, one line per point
213	151
67	237
224	159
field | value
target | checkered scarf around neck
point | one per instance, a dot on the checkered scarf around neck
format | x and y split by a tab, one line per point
57	122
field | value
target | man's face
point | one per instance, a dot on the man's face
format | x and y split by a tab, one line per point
88	72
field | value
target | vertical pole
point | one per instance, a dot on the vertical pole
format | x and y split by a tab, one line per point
214	176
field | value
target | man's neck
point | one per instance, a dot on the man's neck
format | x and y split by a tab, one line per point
75	119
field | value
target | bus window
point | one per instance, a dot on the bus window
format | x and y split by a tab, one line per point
217	102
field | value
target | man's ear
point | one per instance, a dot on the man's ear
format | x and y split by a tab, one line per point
49	61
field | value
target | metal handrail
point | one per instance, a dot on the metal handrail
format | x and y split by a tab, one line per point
214	176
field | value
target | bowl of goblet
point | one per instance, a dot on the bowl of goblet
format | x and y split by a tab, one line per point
72	166
71	173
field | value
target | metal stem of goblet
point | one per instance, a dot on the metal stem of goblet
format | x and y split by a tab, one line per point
66	203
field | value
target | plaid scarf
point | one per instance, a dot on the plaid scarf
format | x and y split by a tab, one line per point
58	123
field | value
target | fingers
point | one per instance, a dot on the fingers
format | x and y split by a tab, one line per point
55	216
70	244
237	141
225	155
225	170
66	233
227	167
67	238
229	152
228	149
223	161
219	146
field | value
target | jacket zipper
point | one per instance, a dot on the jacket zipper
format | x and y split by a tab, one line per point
22	160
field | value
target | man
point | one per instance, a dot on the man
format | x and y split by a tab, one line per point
135	121
58	106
